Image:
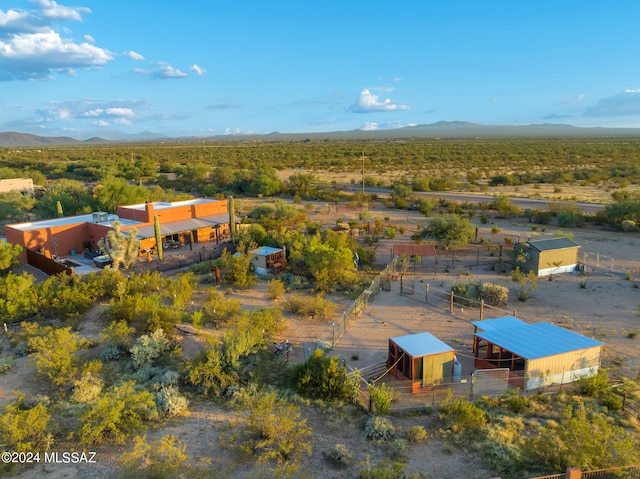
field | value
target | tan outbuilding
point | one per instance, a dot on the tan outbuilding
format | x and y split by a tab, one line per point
548	256
536	355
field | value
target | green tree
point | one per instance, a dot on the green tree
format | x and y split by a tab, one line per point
626	207
9	254
450	231
15	206
113	192
17	296
237	267
74	197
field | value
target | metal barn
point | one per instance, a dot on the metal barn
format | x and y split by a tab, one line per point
421	359
537	355
548	256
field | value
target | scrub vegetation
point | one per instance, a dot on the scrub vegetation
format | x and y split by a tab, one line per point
119	385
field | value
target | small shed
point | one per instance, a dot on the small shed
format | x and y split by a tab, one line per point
547	256
420	358
267	260
537	355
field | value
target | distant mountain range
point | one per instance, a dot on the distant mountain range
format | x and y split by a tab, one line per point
438	130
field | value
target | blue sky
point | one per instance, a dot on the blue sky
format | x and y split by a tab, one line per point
210	68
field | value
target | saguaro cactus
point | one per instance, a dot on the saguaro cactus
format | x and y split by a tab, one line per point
156	228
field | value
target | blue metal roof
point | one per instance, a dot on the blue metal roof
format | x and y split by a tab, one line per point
540	340
265	251
498	323
421	344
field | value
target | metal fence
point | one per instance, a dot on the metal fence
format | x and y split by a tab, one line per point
175	261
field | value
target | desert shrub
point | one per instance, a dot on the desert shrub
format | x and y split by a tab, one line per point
118	333
398	449
493	294
416	433
6	363
275	288
275	429
24	429
170	402
116	414
111	353
397	470
426	206
162	458
586	441
211	374
379	429
339	455
148	348
21	349
389	233
466	293
381	398
219	309
315	306
513	401
295	281
526	283
237	268
596	385
55	351
87	388
461	416
323	377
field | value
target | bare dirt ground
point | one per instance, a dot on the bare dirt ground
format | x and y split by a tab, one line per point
607	309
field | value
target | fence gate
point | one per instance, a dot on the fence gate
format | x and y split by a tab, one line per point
407	287
489	382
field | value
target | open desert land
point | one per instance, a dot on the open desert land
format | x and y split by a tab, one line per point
606	308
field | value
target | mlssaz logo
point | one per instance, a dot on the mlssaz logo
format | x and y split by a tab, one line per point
70	457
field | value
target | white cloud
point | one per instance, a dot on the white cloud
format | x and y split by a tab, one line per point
392	125
51	9
128	112
96	112
368	102
626	103
168	72
103	112
30	47
197	69
134	56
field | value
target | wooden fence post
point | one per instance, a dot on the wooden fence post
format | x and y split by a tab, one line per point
426	293
573	473
481	309
451	302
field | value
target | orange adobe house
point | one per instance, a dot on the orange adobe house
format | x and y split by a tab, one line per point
181	223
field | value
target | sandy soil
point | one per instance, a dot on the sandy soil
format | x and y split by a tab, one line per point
606	309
